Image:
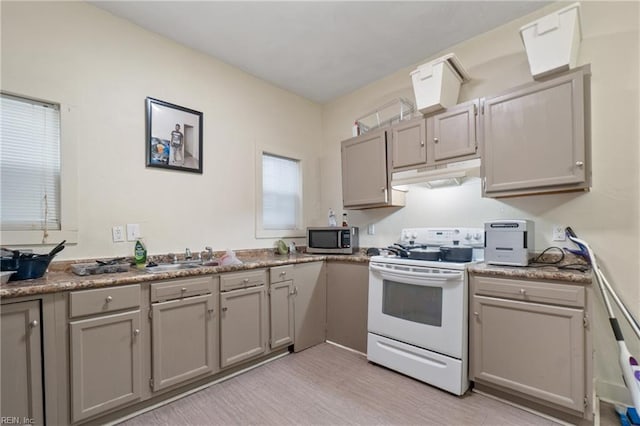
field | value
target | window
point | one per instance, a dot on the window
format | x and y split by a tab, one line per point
280	197
31	210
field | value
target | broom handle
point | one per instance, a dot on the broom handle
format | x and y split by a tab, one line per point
628	316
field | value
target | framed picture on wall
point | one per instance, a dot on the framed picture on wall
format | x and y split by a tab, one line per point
174	136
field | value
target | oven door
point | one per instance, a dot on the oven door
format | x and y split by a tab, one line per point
422	306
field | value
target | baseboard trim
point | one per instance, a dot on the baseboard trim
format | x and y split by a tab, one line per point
346	348
613	393
523	408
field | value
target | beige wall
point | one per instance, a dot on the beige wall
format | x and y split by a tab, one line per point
104	67
607	217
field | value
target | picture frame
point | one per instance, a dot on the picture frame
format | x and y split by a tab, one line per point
173	136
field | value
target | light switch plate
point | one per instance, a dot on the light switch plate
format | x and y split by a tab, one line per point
133	231
117	232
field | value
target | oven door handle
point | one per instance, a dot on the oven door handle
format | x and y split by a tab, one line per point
386	272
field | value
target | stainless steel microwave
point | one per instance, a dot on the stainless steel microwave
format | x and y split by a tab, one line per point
332	240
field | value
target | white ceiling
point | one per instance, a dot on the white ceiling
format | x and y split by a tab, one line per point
320	49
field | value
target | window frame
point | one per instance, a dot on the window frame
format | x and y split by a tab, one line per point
68	185
260	232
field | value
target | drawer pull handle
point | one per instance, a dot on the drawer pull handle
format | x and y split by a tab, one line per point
109	299
523	292
136	331
183	289
33	324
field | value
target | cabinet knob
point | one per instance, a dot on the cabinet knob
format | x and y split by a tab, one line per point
382	188
435	140
210	311
523	291
33	324
283	273
421	143
183	289
579	163
136	331
476	314
108	299
224	309
246	280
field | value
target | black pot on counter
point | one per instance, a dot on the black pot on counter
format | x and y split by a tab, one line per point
456	253
28	265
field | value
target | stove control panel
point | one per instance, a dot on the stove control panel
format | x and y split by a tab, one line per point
443	236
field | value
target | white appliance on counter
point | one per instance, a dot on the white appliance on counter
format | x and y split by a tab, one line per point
417	317
509	242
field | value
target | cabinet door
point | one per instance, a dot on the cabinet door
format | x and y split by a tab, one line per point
534	137
408	144
183	340
310	304
364	170
347	304
22	361
281	309
531	348
454	132
105	363
243	325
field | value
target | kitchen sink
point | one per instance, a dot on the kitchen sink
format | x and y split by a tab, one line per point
168	267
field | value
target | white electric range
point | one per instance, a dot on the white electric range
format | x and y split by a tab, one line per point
417	313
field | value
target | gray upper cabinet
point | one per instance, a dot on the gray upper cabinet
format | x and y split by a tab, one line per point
22	395
243	317
365	172
408	144
453	133
536	137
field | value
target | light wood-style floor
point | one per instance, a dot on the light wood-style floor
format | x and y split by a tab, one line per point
328	385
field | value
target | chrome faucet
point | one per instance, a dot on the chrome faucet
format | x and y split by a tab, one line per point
210	251
173	257
187	254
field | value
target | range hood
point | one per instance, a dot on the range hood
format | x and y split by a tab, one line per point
447	175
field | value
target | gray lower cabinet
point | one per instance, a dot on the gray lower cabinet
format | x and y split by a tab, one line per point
530	337
183	340
310	304
281	314
243	317
347	304
22	392
536	137
106	363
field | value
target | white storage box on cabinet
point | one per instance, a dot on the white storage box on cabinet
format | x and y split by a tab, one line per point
552	41
436	84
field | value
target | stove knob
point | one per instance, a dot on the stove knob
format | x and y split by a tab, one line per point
468	237
414	236
477	237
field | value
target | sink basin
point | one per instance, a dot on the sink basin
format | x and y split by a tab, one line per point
168	267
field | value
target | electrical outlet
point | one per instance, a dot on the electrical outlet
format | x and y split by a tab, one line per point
133	231
117	232
558	233
371	229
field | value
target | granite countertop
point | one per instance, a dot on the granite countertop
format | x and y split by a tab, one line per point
561	271
60	278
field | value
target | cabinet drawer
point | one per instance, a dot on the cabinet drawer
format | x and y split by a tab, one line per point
280	273
242	279
176	289
88	302
530	291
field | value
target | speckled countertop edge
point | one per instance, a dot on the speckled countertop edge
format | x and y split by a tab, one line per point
547	273
59	278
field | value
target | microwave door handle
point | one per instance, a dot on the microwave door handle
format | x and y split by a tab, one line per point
386	272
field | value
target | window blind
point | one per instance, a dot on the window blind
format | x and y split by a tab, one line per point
30	164
280	192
